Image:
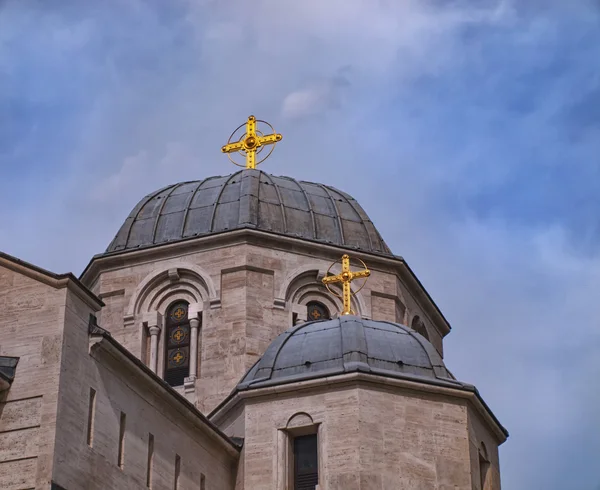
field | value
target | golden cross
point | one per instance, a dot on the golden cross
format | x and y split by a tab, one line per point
178	335
178	357
179	313
346	277
250	142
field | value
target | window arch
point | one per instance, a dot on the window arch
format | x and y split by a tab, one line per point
177	344
419	327
316	310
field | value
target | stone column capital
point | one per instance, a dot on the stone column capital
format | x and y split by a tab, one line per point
194	310
194	322
154	330
152	319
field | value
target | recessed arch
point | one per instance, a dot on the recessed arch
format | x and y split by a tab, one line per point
299	419
190	278
311	271
307	286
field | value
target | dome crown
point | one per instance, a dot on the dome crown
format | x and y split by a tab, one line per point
249	199
348	344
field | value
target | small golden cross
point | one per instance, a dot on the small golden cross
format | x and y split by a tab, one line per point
179	313
178	335
250	142
346	277
178	357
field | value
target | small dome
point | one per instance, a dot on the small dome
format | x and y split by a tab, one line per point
348	344
249	199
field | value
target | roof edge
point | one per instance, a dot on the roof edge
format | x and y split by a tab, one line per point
108	343
57	281
466	391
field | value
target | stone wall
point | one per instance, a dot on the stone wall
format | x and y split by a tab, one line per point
479	433
122	387
369	438
31	318
253	287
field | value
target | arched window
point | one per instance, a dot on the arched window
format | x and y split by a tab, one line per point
317	311
177	355
419	327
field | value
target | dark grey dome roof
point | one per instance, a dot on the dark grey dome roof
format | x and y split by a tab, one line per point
249	199
348	344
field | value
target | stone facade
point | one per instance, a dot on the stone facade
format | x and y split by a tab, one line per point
45	416
373	433
248	288
88	406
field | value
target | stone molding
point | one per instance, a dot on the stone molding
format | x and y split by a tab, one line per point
265	239
190	277
468	393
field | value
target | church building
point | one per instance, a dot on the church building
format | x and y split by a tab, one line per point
246	332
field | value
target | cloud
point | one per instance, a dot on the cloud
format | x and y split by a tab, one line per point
317	98
466	130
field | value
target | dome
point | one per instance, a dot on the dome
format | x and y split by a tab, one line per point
344	345
249	199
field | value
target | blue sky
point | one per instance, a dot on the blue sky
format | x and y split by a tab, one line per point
469	131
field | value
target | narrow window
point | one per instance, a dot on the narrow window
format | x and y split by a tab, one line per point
150	462
484	465
317	311
177	472
202	481
121	459
306	463
91	417
419	327
177	358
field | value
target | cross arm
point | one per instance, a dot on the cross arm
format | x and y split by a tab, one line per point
231	147
269	139
331	279
361	274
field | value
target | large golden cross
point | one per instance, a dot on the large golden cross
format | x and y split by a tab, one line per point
346	277
250	142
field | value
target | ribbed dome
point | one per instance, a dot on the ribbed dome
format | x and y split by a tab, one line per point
249	199
348	344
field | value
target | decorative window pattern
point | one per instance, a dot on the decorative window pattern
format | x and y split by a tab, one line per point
177	359
317	311
306	462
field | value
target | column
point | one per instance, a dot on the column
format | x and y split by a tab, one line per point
154	332
194	327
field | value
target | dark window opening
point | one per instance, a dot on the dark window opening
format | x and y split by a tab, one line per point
419	327
177	355
306	463
484	466
317	311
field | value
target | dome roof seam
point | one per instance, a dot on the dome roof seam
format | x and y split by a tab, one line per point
148	198
358	346
337	212
162	206
281	206
289	332
249	198
189	204
416	337
310	208
362	221
214	211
